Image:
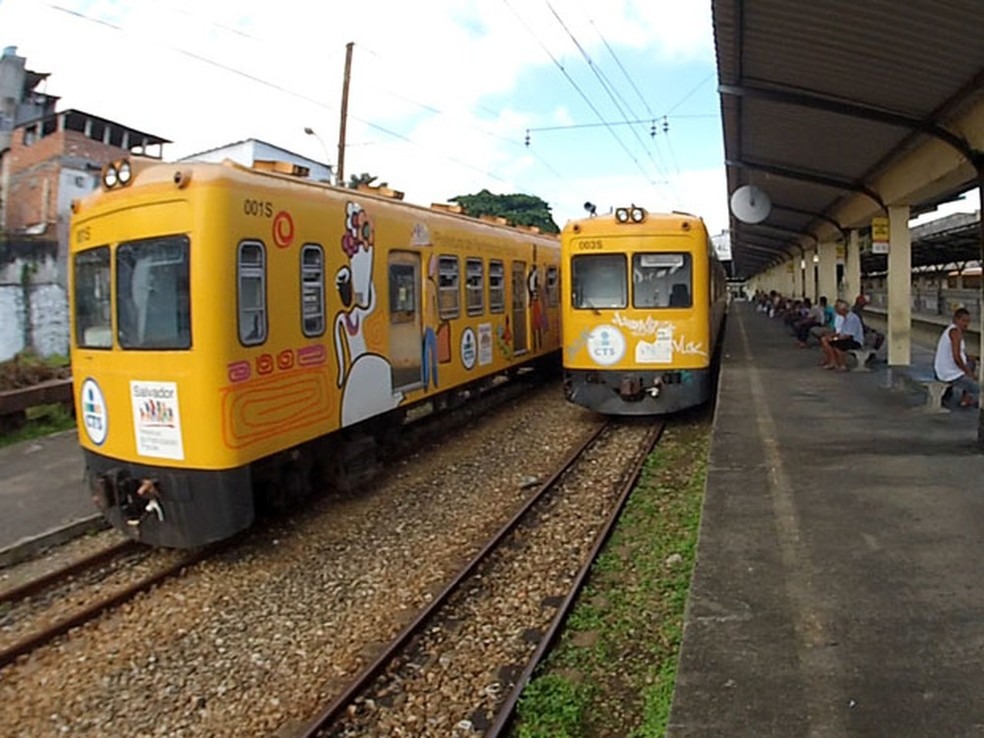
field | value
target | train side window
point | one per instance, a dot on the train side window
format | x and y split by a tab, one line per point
474	286
312	289
599	281
403	292
153	293
252	293
93	311
662	280
553	287
448	288
497	286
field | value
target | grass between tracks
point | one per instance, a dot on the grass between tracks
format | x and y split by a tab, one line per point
613	670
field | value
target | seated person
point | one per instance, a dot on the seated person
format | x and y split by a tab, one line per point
875	338
831	321
814	317
849	336
951	364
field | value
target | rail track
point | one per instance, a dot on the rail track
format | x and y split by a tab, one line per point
97	565
390	680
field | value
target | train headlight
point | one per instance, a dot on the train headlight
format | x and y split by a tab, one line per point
124	172
622	215
111	177
638	215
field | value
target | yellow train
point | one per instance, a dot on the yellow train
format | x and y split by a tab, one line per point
644	298
237	331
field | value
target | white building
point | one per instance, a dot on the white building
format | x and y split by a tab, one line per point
252	150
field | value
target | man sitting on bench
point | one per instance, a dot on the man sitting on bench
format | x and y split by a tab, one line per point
952	365
850	336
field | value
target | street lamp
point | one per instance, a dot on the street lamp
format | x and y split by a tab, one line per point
311	132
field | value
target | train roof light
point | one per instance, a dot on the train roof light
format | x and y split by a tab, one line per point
622	215
124	172
110	177
638	214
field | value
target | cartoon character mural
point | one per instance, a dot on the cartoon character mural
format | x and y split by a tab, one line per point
539	315
366	378
429	359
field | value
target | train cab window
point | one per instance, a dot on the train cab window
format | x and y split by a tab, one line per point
252	293
153	293
599	281
93	311
474	286
312	290
448	288
497	286
553	287
661	281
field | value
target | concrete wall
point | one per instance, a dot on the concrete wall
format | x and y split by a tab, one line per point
33	302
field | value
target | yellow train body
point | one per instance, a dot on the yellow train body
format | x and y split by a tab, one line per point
643	300
223	316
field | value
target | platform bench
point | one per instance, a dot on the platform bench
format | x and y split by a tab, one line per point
861	357
935	389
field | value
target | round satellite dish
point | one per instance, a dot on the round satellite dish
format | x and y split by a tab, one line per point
750	204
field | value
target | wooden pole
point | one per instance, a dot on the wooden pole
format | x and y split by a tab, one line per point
340	171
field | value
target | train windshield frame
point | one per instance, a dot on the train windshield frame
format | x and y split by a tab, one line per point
662	279
93	298
153	293
599	281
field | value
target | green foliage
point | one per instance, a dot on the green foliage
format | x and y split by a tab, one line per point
364	179
552	707
519	209
41	421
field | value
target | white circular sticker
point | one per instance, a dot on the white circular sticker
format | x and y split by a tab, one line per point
469	348
95	418
606	345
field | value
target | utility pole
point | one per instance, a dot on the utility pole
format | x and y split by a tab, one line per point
340	170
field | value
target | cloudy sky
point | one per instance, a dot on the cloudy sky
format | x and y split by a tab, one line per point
443	92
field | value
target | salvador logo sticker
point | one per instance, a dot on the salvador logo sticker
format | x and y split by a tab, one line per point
156	419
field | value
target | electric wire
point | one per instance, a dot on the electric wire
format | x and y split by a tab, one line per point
280	88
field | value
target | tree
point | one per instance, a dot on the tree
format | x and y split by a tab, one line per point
363	179
519	209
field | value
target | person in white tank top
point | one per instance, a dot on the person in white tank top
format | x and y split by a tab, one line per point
951	364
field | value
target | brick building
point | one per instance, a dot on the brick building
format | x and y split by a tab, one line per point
57	158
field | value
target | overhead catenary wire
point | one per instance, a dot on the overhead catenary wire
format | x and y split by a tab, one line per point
606	85
580	92
277	87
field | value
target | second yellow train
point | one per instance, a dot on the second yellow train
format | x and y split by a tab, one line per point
644	297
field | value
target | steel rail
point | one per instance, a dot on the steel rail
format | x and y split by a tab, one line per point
93	610
506	713
334	710
45	581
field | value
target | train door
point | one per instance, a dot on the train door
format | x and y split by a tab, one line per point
405	334
520	331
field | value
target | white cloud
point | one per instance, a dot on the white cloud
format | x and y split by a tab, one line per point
190	71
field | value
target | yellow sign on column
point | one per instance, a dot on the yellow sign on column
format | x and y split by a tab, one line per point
879	235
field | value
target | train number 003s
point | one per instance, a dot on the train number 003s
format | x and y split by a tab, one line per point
262	208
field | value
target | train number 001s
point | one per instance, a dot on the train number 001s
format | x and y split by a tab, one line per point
262	208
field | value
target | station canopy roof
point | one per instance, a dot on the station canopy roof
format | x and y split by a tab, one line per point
838	109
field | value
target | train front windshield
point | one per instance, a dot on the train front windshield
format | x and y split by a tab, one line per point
659	280
153	295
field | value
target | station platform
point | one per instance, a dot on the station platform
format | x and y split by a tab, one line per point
837	589
42	491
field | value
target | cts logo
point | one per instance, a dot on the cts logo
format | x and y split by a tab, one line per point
95	419
606	345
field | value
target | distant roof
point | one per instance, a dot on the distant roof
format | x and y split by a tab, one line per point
79	116
953	239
